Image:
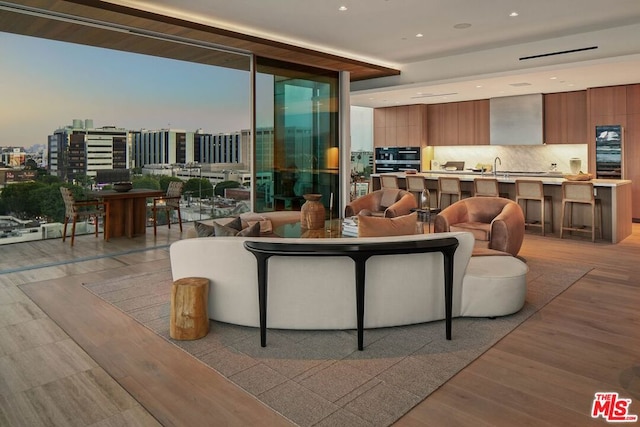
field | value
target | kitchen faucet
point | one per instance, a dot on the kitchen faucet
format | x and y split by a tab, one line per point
495	165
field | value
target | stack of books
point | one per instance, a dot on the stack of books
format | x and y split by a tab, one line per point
350	227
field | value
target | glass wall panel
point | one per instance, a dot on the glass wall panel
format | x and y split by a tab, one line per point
296	144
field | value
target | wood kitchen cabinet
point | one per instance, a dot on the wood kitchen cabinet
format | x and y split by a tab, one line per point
458	123
608	101
481	112
473	122
631	142
466	123
450	123
402	126
434	124
633	99
565	118
619	105
442	124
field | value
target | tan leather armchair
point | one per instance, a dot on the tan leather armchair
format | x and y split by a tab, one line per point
389	203
496	223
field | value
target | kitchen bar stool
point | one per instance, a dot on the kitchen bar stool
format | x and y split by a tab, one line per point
580	192
389	181
448	186
416	184
485	187
532	190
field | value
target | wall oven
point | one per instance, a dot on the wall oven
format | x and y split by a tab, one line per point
397	159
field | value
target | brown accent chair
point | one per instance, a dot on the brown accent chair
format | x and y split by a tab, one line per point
496	223
388	203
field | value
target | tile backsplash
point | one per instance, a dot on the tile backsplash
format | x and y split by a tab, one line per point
531	158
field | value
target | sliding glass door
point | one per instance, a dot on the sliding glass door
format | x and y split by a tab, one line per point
296	144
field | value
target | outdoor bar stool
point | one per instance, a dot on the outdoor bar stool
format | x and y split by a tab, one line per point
580	192
389	181
448	186
485	187
532	190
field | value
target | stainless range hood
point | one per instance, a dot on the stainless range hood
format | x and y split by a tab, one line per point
516	120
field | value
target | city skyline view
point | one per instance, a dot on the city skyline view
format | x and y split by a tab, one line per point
46	84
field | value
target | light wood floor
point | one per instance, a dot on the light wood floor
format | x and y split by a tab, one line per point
71	359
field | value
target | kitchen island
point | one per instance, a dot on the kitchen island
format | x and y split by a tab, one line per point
615	196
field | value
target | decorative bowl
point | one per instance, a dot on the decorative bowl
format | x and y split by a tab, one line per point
122	187
579	177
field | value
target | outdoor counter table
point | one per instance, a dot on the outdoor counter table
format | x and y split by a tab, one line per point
127	210
615	195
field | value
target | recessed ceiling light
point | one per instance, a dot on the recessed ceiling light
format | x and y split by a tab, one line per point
552	78
342	8
419	35
478	86
462	26
513	14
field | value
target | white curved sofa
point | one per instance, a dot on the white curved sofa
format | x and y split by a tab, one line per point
319	292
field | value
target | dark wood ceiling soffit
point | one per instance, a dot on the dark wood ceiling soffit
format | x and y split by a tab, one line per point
152	23
18	23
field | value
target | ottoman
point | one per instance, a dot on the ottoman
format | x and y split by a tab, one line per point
493	286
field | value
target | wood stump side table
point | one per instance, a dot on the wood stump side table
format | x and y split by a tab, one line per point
189	314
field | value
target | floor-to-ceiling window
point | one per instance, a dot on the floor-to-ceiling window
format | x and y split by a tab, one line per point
296	144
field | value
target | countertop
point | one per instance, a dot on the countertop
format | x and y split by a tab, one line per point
550	178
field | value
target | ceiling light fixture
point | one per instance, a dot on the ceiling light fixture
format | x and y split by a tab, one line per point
419	35
342	8
513	14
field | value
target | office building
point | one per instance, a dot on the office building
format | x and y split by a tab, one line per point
165	146
81	149
231	147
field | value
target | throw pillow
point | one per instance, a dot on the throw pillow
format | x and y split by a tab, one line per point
204	230
251	231
265	223
209	230
226	230
236	224
389	197
371	226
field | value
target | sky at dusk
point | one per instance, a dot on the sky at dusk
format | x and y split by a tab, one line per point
46	84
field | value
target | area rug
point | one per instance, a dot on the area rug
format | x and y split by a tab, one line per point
319	378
